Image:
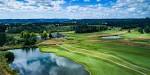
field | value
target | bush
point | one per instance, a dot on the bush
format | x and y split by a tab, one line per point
9	56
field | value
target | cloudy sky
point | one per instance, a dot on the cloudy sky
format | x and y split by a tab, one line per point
74	9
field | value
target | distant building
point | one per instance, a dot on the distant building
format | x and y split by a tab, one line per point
57	35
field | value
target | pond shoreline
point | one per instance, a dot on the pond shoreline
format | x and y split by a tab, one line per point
4	65
79	69
6	70
83	64
4	49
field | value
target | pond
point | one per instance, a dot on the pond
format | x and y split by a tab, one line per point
114	37
34	62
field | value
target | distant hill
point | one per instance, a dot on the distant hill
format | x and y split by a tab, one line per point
4	21
110	22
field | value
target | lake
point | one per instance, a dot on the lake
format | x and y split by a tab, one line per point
33	62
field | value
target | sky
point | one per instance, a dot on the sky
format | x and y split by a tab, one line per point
74	9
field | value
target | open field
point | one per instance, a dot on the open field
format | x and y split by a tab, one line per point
128	55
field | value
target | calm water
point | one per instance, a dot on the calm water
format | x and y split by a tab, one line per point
34	62
111	37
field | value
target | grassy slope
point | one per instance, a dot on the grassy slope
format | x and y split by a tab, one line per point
83	48
4	68
95	66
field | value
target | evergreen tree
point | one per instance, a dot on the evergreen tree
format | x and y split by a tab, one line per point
2	35
44	35
147	29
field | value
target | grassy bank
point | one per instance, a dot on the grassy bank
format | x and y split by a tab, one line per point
105	57
93	65
4	68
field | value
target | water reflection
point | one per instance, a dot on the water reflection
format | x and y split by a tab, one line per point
26	49
33	62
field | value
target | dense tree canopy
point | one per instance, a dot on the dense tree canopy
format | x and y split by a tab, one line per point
28	38
89	28
44	35
147	29
2	35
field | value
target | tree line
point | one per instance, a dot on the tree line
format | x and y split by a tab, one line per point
2	35
145	29
89	28
38	27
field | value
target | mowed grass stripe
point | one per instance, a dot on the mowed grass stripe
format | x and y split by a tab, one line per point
93	65
108	57
108	52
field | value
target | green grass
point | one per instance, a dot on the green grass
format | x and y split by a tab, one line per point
93	65
107	57
130	53
136	35
4	68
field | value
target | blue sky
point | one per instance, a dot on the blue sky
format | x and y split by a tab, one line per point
74	9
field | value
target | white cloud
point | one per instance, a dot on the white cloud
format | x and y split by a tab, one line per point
98	0
55	9
31	4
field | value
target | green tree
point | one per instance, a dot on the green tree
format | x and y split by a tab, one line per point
147	29
2	39
129	30
28	38
141	30
11	40
44	35
2	35
9	56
